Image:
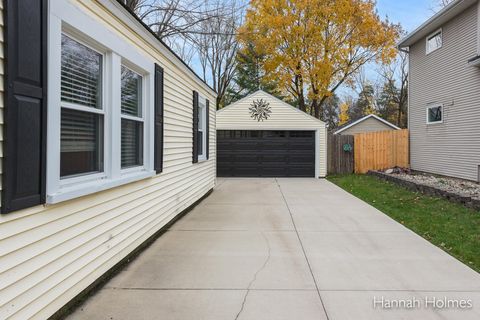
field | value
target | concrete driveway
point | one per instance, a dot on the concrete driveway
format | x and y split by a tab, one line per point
264	249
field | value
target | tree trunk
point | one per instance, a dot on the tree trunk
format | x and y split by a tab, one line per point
316	108
399	116
301	103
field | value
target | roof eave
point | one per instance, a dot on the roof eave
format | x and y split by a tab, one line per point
435	22
163	44
365	118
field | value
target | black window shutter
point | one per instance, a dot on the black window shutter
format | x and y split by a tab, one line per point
158	119
25	105
195	127
207	129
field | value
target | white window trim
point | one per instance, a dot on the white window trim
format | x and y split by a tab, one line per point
434	106
431	35
64	17
202	107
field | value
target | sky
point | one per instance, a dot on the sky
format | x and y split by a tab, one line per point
409	13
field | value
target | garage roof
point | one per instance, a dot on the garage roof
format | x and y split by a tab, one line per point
353	123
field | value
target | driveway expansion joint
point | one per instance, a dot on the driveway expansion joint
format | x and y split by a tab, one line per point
303	249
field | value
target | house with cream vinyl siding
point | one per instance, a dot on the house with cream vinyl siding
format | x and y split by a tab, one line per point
444	92
263	136
369	123
106	139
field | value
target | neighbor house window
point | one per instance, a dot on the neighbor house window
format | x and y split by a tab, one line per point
202	120
434	41
435	114
132	119
82	114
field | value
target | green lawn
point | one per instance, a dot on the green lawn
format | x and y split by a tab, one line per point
450	226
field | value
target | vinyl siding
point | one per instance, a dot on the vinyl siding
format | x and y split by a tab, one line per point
49	254
283	117
444	76
367	125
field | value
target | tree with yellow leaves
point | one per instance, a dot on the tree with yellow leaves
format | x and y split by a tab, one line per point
312	47
343	116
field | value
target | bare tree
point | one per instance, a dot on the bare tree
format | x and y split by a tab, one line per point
440	4
217	46
395	80
173	21
443	3
203	31
169	18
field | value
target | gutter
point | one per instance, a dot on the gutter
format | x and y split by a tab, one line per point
133	14
453	6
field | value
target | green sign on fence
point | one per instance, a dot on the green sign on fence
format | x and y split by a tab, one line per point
347	147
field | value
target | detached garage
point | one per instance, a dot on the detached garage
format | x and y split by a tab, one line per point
262	136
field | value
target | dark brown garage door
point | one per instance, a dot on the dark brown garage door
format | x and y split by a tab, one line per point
254	153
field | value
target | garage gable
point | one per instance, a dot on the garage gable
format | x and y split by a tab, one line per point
262	111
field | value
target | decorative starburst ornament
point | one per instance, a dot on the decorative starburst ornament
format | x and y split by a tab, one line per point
260	110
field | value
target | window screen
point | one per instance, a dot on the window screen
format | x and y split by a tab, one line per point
81	74
201	127
81	147
81	139
131	93
132	121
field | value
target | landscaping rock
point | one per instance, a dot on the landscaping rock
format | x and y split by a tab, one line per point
456	190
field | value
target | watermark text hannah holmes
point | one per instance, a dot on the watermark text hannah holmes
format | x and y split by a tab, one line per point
422	303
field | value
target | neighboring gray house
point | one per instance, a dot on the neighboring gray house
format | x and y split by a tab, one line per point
369	123
444	93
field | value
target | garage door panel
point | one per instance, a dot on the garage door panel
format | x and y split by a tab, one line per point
298	172
273	172
274	158
242	153
274	146
301	159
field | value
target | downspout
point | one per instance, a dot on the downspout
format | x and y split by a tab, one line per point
478	28
407	51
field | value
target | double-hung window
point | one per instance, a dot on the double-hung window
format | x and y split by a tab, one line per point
132	119
82	112
202	137
100	113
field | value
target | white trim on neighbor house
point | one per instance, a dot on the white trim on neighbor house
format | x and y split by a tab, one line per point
431	36
365	118
436	21
68	19
436	105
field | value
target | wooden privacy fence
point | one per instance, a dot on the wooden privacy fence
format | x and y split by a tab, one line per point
340	154
381	150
